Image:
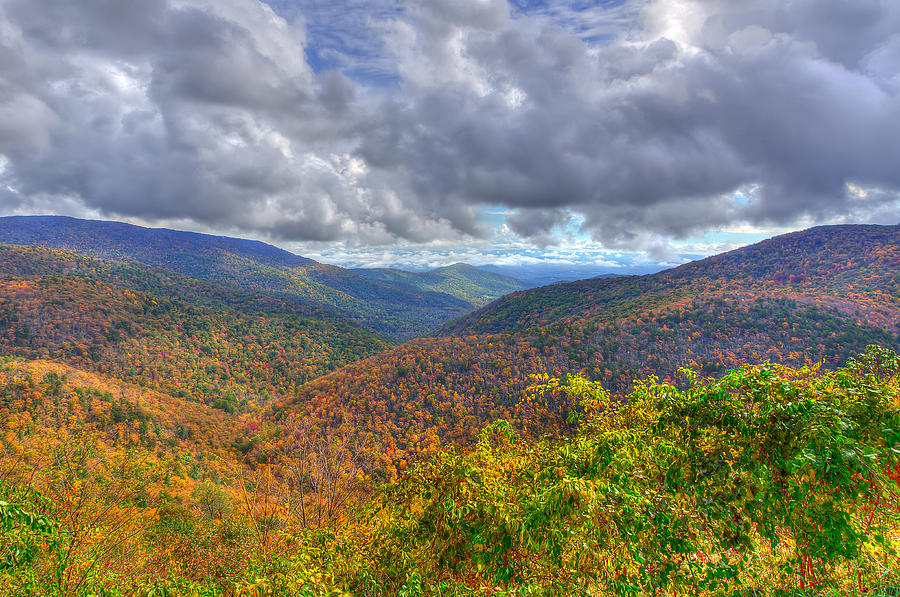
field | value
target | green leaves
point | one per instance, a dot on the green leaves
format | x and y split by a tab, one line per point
23	535
767	479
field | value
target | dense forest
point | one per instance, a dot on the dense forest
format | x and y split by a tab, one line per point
397	306
854	267
221	356
724	426
819	295
773	480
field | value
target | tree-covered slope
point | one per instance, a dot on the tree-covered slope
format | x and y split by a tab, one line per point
707	315
476	287
33	261
223	356
395	310
98	478
853	265
767	481
39	397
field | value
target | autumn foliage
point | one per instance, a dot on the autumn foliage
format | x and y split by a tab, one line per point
770	479
162	434
817	296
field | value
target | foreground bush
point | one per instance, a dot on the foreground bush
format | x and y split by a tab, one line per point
770	479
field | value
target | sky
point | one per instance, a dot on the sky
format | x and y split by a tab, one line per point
613	133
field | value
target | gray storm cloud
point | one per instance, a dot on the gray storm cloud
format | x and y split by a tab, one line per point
207	111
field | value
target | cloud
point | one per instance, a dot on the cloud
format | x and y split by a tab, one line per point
399	122
503	248
542	226
201	111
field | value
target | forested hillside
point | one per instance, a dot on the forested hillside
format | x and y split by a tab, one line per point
99	478
465	282
169	435
815	296
771	480
854	267
397	309
237	355
23	261
43	400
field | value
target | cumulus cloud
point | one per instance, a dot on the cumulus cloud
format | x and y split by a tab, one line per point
543	226
643	121
503	248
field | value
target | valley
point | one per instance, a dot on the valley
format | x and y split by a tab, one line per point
187	414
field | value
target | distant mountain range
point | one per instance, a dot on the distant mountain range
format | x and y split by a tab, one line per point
465	282
542	274
397	305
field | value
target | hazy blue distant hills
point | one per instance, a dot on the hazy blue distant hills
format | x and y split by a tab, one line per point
397	306
465	282
542	274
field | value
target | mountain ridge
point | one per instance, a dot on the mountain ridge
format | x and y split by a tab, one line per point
747	260
398	311
460	280
78	236
817	296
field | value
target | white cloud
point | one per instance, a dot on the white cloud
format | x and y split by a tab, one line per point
373	123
